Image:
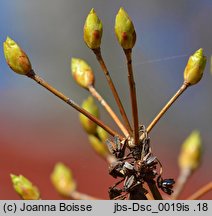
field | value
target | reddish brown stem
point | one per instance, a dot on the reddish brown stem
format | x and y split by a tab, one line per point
154	190
60	95
167	106
203	190
94	92
98	54
134	107
181	182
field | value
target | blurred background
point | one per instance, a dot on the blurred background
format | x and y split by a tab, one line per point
37	129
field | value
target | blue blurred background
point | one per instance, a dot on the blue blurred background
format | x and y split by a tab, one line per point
37	130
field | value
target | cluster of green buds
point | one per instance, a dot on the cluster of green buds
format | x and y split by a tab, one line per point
96	135
84	77
124	30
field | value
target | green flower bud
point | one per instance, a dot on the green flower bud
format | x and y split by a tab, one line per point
124	30
93	30
89	126
194	69
82	72
98	146
62	179
191	152
102	134
25	188
16	58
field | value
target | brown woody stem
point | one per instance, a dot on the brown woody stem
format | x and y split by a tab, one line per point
95	94
203	190
98	54
181	181
60	95
154	190
134	107
167	106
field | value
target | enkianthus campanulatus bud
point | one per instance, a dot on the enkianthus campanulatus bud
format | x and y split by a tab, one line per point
89	126
16	58
98	146
25	188
194	69
102	134
124	30
93	30
62	179
82	72
191	152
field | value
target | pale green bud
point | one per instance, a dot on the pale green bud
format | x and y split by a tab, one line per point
62	179
98	146
191	152
89	105
124	30
195	67
25	188
102	134
16	58
82	72
93	30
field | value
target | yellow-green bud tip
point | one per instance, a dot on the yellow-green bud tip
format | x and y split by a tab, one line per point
82	72
89	105
191	152
62	179
124	30
194	69
25	188
16	58
93	30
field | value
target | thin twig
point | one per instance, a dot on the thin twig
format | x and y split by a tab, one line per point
76	195
134	107
43	83
98	54
203	190
154	190
167	106
181	181
94	92
149	194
